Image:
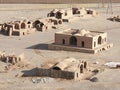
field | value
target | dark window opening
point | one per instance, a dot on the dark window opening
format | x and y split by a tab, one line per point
81	69
83	44
63	41
73	41
77	74
65	14
100	40
29	23
85	64
56	68
23	26
52	14
16	26
94	44
59	15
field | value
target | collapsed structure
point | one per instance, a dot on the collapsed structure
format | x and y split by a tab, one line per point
71	14
69	68
55	18
115	18
11	58
80	41
47	23
21	27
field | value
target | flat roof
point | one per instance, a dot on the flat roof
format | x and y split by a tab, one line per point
81	32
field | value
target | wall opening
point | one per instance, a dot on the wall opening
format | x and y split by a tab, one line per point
77	75
65	14
73	41
60	22
36	23
29	22
63	41
59	15
17	26
56	68
94	44
83	44
99	40
85	65
52	14
23	26
81	68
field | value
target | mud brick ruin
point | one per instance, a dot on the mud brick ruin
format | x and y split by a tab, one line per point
47	23
80	41
115	18
71	14
11	58
55	18
69	68
21	27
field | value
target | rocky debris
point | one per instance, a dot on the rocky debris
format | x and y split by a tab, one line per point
113	64
95	71
42	80
94	79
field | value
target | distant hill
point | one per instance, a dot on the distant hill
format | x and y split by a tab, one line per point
54	1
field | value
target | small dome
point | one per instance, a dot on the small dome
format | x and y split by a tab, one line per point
83	32
88	35
62	11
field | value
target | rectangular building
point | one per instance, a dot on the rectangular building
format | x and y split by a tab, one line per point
80	40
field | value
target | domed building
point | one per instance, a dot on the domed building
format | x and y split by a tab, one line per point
81	41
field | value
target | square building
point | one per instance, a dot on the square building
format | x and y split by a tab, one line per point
80	40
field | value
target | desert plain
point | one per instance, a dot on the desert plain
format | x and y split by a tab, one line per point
34	47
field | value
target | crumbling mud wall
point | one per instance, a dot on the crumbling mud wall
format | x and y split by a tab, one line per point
55	73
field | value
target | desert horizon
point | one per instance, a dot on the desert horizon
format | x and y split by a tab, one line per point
55	1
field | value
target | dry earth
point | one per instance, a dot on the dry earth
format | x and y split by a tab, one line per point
36	53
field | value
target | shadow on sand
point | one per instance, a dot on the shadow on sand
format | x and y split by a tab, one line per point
28	73
39	46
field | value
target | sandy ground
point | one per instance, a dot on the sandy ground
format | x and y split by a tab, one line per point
55	1
35	49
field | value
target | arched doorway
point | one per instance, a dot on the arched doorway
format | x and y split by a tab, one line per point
59	15
23	26
63	41
85	64
99	40
56	68
17	26
36	23
52	14
73	41
81	68
60	22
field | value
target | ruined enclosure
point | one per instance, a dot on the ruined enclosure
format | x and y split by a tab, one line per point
60	13
80	40
71	12
68	68
19	28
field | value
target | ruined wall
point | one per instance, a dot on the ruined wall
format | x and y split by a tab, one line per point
55	73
